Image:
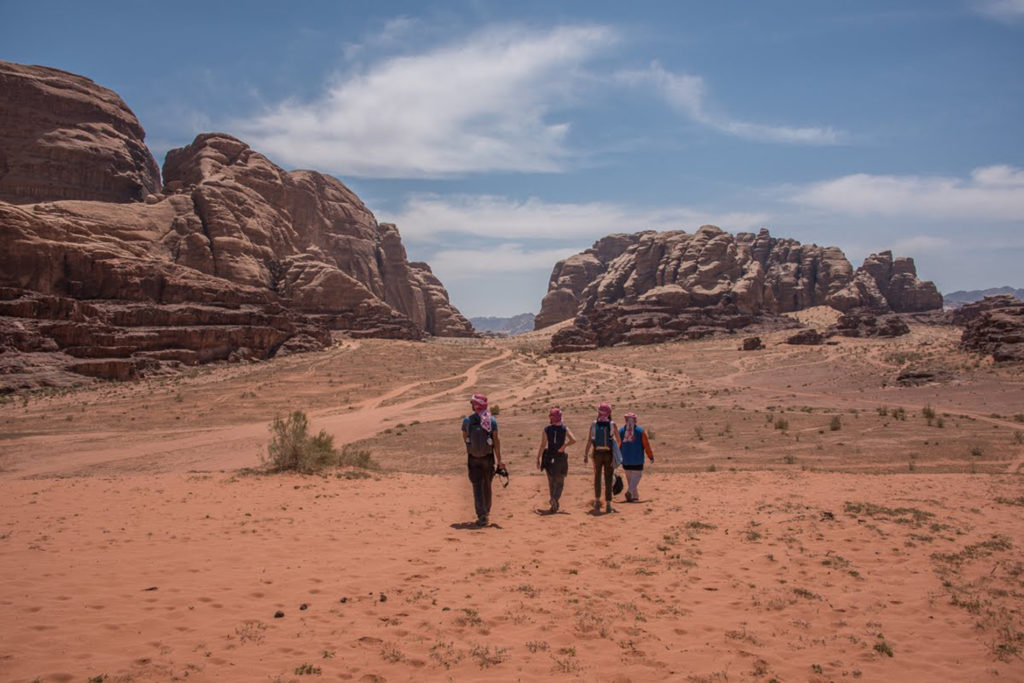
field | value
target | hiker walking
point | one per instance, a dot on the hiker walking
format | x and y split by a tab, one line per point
634	446
483	449
602	433
551	457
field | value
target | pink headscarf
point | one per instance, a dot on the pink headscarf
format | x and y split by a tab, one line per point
479	403
630	433
556	417
604	412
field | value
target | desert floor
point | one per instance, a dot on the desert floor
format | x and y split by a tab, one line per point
807	518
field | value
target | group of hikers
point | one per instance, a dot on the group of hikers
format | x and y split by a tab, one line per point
608	444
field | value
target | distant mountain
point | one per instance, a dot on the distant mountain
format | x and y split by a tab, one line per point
961	297
517	324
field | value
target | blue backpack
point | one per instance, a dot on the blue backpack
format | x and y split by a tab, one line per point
602	436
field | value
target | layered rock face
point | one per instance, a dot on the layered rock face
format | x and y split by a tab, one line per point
676	285
64	137
233	258
994	325
305	237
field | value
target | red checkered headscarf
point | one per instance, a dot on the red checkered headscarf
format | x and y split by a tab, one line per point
604	412
556	417
479	403
630	433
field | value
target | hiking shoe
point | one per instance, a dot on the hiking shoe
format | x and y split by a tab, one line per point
597	505
482	521
554	506
608	507
629	497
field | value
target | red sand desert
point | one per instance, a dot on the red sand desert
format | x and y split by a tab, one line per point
807	519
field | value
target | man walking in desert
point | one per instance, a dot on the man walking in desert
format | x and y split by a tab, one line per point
483	451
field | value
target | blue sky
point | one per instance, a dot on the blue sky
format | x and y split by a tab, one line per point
503	136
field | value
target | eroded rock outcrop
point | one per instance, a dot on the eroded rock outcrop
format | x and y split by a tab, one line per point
676	278
994	325
864	324
232	258
64	137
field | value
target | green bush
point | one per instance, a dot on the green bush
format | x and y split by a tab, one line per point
293	449
356	457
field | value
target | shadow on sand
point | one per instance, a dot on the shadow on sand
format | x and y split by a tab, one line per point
464	526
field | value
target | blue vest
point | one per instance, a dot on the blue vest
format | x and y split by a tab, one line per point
633	451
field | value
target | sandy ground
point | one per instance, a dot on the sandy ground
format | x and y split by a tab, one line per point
808	518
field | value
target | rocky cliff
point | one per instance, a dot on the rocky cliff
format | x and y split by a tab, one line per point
994	325
64	137
233	257
657	286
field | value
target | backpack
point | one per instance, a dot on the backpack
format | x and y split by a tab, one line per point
478	441
602	436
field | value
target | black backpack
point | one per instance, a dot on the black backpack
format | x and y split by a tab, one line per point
479	443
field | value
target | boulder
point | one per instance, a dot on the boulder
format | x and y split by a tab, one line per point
752	344
864	323
808	337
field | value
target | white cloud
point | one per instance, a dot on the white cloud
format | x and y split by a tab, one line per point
486	103
486	216
1001	10
991	193
687	93
920	244
462	264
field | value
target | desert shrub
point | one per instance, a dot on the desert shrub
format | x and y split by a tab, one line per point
836	424
357	457
292	448
495	409
782	423
929	414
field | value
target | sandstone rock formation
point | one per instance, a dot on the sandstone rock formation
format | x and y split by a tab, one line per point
994	325
862	323
752	344
64	137
808	337
232	258
677	285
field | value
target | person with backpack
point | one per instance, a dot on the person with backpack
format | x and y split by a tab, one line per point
551	456
483	449
603	433
634	446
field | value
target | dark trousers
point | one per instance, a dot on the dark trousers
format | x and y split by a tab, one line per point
481	473
556	482
603	464
557	466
